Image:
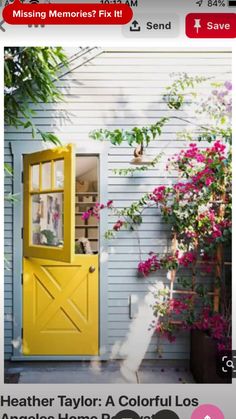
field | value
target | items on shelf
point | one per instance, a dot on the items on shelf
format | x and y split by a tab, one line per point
82	246
86	196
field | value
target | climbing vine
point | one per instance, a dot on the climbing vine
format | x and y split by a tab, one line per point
196	207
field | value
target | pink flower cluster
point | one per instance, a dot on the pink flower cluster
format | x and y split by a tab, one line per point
150	265
185	188
159	194
209	215
165	326
95	210
193	153
211	226
178	306
197	177
214	324
191	234
187	259
218	148
117	226
204	177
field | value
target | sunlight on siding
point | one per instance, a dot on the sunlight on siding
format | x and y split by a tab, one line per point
138	338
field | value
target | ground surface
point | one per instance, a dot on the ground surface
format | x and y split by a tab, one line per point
94	372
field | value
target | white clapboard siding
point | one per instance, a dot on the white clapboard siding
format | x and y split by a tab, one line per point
8	286
121	89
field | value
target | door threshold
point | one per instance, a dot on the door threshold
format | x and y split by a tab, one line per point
58	358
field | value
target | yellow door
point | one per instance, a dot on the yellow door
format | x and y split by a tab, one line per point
60	306
60	289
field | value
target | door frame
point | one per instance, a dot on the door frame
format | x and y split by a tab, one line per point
81	147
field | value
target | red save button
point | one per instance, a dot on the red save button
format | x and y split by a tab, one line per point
211	25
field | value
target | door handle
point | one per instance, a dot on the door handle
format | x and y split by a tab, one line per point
92	269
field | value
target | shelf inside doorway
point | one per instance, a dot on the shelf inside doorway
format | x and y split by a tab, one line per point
86	196
86	226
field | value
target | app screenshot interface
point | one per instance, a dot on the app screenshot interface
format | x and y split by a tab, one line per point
117	153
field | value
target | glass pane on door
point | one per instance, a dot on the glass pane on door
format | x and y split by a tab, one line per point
47	220
46	176
35	177
59	174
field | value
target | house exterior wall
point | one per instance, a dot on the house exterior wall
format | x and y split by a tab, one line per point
119	89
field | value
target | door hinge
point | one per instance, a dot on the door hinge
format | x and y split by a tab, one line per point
22	333
22	278
22	232
22	177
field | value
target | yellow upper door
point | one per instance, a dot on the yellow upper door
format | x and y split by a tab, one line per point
49	204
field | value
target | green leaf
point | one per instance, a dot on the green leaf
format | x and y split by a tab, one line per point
8	169
30	75
47	136
137	136
12	197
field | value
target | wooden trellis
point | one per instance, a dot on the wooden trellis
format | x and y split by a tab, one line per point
218	276
219	264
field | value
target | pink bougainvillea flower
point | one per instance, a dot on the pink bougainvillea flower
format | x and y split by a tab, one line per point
177	306
150	265
158	194
217	233
86	215
187	259
191	234
213	323
218	147
117	226
95	210
209	181
109	203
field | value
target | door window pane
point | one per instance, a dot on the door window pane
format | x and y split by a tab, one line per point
59	174
35	177
47	219
46	175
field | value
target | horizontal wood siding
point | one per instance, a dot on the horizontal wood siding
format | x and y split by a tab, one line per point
119	89
8	233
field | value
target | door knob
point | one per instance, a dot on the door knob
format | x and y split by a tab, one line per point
92	269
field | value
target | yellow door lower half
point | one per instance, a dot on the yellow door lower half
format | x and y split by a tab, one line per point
60	306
